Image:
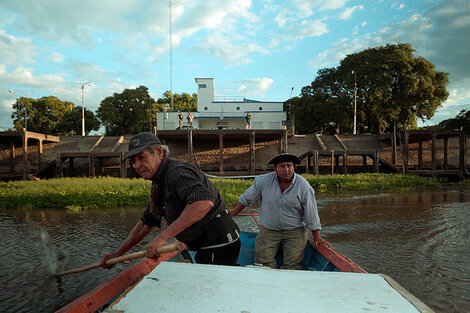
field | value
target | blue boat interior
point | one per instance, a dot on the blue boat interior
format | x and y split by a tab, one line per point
313	260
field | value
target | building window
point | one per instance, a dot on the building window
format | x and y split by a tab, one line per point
260	108
202	86
205	108
238	108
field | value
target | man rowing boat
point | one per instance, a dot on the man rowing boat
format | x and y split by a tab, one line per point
191	204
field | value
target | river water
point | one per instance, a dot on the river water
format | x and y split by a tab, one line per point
420	239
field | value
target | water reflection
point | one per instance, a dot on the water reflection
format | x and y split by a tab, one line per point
419	239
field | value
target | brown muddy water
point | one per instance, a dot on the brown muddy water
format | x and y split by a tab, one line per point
419	239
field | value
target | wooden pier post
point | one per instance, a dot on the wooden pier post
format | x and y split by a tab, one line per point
91	166
345	162
71	167
190	144
376	161
12	156
25	155
221	151
446	148
404	141
332	162
39	154
309	159
123	169
315	162
284	141
252	152
433	155
420	154
59	165
462	153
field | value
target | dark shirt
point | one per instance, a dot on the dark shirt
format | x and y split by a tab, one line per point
177	184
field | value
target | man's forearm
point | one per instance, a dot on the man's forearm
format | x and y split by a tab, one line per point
316	233
191	214
238	208
137	234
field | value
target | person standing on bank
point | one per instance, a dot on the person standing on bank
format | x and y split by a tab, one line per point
190	120
191	204
248	121
180	120
287	208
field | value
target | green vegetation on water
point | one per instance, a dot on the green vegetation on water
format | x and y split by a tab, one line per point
109	192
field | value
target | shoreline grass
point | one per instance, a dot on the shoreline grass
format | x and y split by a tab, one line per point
77	194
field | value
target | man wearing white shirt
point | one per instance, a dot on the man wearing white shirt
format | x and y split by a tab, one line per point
287	209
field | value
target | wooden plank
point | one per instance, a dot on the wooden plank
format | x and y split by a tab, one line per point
96	143
117	144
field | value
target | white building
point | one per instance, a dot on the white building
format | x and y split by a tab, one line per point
212	114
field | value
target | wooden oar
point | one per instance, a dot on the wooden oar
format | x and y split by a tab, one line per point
168	248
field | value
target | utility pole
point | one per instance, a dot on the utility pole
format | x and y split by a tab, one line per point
83	107
292	118
25	111
355	101
171	62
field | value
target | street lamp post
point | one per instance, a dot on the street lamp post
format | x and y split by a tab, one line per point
292	118
83	107
25	111
355	101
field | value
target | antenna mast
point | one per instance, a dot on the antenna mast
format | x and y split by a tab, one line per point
171	62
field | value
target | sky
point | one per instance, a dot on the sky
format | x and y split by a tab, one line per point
256	49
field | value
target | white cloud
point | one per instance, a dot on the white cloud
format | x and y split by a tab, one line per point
55	57
307	8
347	14
228	52
15	50
26	76
398	6
255	85
332	56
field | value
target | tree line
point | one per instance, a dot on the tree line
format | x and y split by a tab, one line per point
389	85
129	112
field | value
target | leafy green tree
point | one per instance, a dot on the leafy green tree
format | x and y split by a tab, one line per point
181	102
129	112
71	122
44	115
461	120
393	87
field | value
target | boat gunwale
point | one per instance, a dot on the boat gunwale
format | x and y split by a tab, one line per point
103	293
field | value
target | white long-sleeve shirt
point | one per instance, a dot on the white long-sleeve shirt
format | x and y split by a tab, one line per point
295	207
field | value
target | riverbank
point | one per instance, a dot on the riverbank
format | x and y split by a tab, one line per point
108	192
